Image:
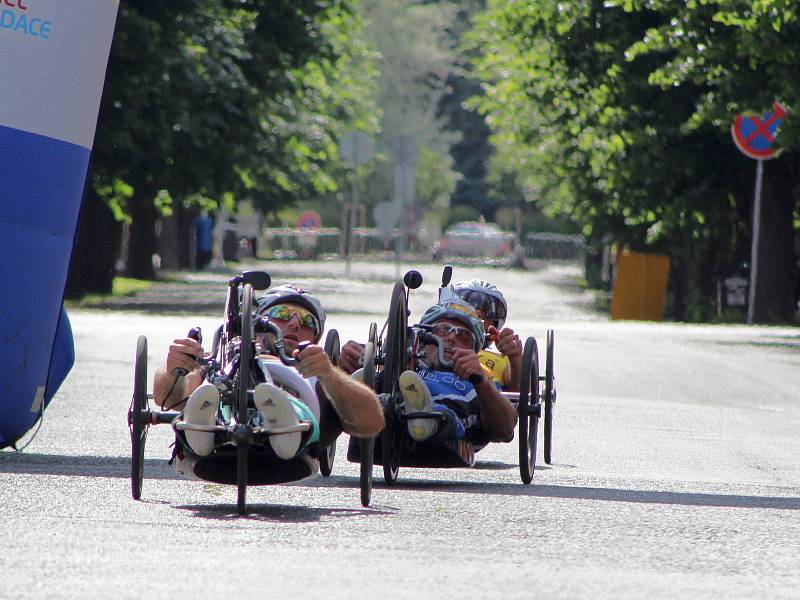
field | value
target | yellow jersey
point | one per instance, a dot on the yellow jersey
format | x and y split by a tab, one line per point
495	365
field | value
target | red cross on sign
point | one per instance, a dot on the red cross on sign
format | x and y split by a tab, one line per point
755	136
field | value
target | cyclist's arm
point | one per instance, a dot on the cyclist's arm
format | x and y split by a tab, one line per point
358	407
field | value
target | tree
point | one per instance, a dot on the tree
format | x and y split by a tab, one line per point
415	59
205	98
584	112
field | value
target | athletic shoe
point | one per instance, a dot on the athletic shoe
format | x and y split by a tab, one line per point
418	399
277	411
184	466
201	409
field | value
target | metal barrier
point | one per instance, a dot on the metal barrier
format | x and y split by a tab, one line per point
555	246
285	242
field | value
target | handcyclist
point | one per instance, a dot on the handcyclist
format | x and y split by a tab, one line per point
505	362
469	402
315	391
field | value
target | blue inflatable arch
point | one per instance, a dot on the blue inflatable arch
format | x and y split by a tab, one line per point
49	99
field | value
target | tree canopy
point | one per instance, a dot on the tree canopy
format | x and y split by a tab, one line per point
618	114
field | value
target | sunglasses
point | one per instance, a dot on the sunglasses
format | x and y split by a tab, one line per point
285	312
463	335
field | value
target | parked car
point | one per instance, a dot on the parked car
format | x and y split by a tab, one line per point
473	239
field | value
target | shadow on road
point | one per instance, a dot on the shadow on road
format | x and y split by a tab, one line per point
278	512
111	466
81	466
576	493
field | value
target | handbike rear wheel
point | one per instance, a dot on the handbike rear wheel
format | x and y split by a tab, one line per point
327	455
549	398
529	410
138	418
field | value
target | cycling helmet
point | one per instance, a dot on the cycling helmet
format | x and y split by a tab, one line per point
297	295
459	311
486	298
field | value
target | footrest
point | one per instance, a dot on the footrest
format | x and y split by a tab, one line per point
421	415
184	426
305	426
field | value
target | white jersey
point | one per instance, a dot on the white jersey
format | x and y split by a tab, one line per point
304	389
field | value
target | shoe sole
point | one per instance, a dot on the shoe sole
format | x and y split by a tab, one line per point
201	409
417	399
277	411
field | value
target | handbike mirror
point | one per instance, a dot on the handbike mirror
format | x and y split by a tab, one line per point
447	275
260	280
412	279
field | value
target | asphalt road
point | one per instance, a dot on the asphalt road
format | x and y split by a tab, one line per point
676	471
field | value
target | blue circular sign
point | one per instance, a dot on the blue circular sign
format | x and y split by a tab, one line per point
755	136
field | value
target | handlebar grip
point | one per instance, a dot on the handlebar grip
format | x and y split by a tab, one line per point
197	335
475	378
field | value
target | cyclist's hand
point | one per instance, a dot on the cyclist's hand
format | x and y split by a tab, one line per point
466	363
350	357
508	343
313	362
183	354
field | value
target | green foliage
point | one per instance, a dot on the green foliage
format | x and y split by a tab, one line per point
435	183
617	114
204	98
459	213
415	58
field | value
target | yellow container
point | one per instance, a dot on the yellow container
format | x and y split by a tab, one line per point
640	287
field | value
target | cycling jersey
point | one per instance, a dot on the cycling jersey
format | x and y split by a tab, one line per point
495	364
457	399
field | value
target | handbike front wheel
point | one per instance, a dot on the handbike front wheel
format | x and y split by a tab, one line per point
367	445
242	456
396	360
243	429
138	418
367	449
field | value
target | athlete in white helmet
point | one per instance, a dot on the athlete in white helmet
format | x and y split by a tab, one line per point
505	364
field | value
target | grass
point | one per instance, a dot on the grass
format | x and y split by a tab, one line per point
121	287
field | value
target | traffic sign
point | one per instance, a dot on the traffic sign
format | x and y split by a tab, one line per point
355	148
755	136
309	220
386	215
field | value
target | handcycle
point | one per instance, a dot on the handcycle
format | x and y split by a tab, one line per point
242	455
398	348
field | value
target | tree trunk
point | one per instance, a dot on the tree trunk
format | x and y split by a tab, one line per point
185	253
775	275
169	242
678	276
92	269
143	236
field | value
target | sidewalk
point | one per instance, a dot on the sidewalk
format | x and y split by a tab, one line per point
177	292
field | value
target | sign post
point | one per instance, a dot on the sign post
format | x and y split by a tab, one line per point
355	148
755	138
56	56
